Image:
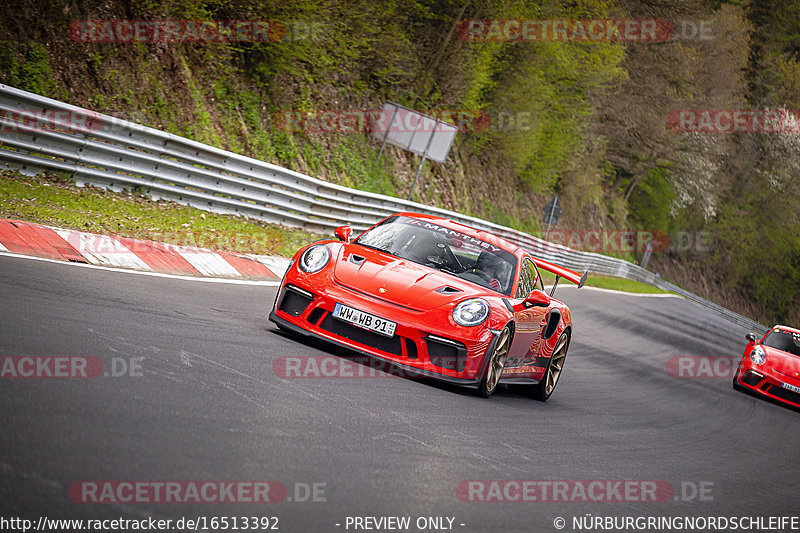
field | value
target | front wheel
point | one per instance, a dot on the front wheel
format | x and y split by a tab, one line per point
545	388
497	361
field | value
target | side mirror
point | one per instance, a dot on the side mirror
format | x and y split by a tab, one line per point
751	337
343	233
537	298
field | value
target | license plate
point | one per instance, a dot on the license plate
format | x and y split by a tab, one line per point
364	320
790	387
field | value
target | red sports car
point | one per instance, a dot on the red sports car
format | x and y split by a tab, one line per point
435	297
771	366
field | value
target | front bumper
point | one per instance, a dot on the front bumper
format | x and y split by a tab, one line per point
767	382
424	343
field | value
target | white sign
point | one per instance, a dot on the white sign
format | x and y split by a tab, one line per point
414	131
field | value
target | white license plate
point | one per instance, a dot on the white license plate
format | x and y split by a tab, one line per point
364	320
790	387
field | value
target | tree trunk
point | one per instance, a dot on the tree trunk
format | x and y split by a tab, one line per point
634	182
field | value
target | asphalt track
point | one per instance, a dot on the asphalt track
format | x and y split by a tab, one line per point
208	406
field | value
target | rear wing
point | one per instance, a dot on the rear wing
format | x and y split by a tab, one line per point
561	272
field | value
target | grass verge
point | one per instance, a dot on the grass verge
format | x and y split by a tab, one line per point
621	284
609	282
55	200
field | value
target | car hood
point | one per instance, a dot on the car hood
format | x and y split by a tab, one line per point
782	362
403	282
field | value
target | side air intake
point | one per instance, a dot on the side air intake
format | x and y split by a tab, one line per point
553	318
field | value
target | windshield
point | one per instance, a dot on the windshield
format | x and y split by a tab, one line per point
444	249
783	340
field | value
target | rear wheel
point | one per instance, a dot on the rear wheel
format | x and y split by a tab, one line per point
497	361
545	388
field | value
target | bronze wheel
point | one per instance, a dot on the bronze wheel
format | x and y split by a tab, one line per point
545	388
496	364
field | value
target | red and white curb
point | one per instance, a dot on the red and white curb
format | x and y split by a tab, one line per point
25	238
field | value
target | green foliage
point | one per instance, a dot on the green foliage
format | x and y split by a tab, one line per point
650	205
758	248
539	101
27	67
528	224
482	78
355	160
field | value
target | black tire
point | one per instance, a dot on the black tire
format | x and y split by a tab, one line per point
497	362
545	388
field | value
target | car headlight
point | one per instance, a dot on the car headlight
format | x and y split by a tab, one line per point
314	259
758	356
471	312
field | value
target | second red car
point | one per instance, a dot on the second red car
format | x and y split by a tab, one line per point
771	366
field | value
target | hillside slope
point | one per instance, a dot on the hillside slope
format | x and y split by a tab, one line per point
587	120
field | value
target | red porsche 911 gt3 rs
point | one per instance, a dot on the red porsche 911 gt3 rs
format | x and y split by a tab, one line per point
771	366
435	297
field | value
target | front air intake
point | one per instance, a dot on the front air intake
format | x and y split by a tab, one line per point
294	300
446	353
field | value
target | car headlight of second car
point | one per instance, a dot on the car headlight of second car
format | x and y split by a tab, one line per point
471	312
314	258
758	356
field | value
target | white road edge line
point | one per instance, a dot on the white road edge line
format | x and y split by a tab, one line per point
145	273
612	291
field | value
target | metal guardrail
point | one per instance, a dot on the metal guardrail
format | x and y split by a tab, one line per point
38	133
